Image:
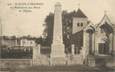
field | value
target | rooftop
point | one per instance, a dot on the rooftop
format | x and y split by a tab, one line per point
79	14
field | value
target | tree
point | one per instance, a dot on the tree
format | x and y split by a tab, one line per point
38	40
66	27
49	29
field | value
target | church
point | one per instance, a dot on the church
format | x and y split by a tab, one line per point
95	41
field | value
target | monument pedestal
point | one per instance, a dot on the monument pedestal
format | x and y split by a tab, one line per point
36	62
57	49
58	61
58	56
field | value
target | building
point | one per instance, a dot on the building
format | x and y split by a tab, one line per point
8	41
17	47
25	41
18	41
94	41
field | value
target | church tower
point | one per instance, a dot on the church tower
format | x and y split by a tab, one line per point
80	21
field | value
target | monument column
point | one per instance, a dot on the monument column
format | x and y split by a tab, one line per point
57	50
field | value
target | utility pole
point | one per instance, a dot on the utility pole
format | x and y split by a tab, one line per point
0	36
0	27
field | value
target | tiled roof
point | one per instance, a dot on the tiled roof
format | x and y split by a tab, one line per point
79	14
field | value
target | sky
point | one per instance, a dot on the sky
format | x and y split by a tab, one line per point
31	23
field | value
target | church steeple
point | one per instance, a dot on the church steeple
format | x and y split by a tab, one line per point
80	20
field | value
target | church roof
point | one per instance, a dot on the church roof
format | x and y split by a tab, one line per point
104	20
79	14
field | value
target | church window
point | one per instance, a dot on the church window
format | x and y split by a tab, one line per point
78	24
81	24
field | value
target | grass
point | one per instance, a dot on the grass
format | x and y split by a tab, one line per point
74	68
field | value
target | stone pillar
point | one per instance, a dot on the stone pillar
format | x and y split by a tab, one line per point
113	63
114	42
93	43
89	59
96	42
86	43
73	49
57	49
85	49
110	43
36	55
90	43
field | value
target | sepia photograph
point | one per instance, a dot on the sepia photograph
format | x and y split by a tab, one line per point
57	36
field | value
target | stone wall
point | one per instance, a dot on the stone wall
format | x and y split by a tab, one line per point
6	63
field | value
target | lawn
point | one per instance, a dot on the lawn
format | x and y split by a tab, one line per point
75	68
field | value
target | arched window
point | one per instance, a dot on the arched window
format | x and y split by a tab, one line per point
78	24
81	24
